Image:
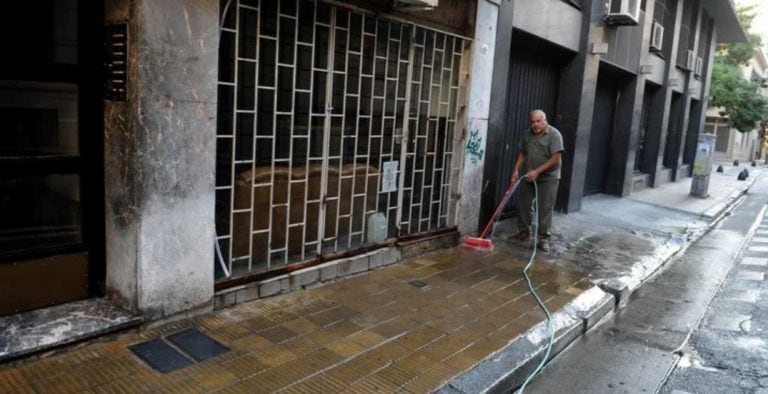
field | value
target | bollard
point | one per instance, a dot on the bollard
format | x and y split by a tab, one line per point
735	163
754	163
743	175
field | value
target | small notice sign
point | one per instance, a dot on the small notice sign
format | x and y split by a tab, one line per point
389	177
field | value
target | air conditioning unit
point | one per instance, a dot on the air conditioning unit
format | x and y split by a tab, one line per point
623	12
657	37
690	60
414	5
699	66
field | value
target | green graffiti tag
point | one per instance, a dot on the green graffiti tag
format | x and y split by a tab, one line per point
474	151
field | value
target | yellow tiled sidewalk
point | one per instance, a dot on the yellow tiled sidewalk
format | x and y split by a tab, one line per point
371	333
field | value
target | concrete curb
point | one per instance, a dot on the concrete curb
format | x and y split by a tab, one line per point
507	368
719	209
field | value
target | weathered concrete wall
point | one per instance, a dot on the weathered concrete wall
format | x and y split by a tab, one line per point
553	20
477	114
160	158
656	67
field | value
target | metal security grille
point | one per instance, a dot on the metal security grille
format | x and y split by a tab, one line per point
432	121
313	131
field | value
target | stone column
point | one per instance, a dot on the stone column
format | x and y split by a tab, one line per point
659	121
478	109
160	158
578	83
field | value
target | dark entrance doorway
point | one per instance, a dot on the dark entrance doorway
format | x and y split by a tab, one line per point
692	136
533	83
598	161
641	161
672	145
51	148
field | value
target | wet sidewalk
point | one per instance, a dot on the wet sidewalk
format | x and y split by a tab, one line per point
409	327
458	320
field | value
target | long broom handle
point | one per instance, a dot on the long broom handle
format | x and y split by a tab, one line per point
501	205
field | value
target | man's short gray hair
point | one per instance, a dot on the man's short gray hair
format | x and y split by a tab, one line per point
538	112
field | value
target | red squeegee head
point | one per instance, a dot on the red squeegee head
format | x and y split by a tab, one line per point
478	243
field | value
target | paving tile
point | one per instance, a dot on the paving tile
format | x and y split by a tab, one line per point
343	328
251	342
246	366
259	323
123	385
210	377
63	383
371	361
391	351
396	376
180	386
373	384
394	327
323	337
321	359
299	345
317	384
278	334
348	372
367	338
442	371
11	381
274	355
231	332
461	362
345	347
484	347
443	348
415	362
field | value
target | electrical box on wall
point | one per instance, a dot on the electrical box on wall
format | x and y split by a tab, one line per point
414	5
623	12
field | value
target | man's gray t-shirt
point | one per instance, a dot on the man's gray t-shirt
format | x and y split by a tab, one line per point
539	148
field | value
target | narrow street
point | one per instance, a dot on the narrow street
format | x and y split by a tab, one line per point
722	341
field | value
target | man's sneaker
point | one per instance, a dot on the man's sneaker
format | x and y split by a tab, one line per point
545	246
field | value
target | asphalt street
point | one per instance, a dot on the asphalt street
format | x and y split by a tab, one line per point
681	325
728	352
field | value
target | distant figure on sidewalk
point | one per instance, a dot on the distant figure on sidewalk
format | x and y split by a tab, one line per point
540	151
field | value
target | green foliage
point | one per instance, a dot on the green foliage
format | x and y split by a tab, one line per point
741	100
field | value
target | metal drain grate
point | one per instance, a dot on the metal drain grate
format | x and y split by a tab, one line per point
178	350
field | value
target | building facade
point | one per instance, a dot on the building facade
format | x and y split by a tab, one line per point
626	83
234	149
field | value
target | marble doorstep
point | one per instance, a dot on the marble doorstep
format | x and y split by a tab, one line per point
31	332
